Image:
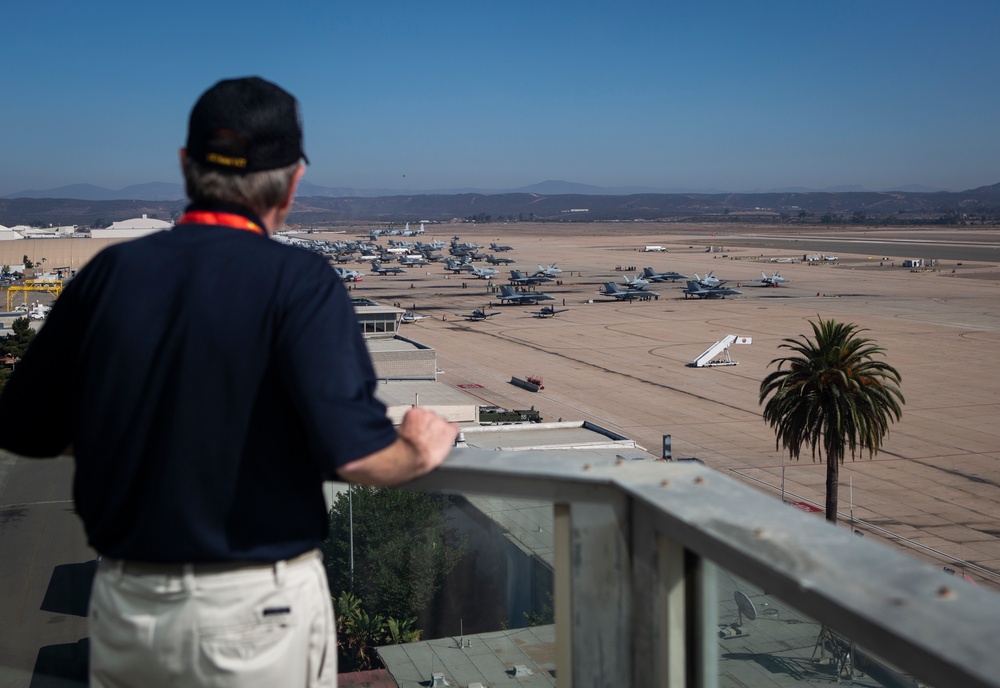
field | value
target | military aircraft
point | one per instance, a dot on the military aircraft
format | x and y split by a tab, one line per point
549	271
547	312
399	246
380	269
653	276
508	295
349	275
413	260
774	280
431	246
483	273
457	266
696	289
517	278
476	315
460	249
494	247
709	280
635	283
503	260
613	290
411	317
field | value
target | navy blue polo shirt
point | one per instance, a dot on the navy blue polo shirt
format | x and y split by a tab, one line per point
208	380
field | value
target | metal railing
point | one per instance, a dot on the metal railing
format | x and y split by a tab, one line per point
637	546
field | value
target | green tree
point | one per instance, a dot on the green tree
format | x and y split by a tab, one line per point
834	393
359	633
15	344
403	549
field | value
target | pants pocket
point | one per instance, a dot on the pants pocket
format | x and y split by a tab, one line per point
247	646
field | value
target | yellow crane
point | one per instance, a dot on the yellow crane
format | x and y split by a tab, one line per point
49	286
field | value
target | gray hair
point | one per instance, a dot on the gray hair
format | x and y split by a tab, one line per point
259	191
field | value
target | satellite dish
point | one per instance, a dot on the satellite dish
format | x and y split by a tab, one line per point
745	607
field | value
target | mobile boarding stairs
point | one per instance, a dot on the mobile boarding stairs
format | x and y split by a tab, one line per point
721	350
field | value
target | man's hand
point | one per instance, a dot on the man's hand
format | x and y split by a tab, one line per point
422	444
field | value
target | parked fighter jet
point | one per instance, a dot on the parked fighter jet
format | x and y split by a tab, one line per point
613	290
549	271
517	278
696	289
476	315
709	280
483	273
379	269
494	247
430	246
349	275
413	260
634	283
774	280
547	312
653	276
503	260
508	295
456	265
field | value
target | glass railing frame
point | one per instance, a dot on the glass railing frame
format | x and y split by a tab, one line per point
637	543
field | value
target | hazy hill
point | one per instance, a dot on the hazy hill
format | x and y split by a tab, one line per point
536	205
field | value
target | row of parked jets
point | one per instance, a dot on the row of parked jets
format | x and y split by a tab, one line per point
462	261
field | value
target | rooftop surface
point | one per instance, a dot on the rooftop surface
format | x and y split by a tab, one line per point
489	658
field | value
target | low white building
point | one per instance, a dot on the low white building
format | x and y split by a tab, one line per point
26	232
136	227
6	233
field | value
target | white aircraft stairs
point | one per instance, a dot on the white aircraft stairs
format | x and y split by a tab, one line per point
720	349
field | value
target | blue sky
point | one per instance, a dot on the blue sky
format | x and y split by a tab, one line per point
736	95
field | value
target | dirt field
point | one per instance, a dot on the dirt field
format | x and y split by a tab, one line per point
626	365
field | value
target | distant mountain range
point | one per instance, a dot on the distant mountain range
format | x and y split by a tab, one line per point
549	202
165	191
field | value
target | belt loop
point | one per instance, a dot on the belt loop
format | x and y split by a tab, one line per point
279	572
189	580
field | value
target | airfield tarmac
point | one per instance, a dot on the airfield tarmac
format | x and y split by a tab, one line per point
625	365
934	489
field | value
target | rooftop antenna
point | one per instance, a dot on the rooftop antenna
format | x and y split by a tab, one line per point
782	476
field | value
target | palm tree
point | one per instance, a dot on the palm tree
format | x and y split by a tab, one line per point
833	393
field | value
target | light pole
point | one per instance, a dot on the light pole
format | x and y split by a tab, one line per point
350	516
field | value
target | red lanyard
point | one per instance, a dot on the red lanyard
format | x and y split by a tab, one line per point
204	217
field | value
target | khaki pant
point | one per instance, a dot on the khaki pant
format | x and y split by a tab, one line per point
189	626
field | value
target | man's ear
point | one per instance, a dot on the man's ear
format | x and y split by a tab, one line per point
293	187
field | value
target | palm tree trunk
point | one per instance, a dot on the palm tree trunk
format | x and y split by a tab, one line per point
832	484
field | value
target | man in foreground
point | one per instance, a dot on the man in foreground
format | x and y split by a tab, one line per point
208	381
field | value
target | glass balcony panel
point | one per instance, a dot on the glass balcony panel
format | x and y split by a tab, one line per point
763	641
467	579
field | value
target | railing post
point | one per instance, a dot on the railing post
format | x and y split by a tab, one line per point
703	610
675	613
593	594
563	598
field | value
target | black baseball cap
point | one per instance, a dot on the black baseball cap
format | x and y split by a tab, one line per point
245	125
